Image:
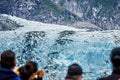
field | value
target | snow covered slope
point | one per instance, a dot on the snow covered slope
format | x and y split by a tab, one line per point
54	47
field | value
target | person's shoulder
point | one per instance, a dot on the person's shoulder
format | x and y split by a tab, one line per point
107	78
17	78
14	78
101	79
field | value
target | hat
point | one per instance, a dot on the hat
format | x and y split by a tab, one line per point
115	56
74	70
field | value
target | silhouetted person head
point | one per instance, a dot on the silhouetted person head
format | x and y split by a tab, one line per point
27	70
115	60
74	72
8	59
115	57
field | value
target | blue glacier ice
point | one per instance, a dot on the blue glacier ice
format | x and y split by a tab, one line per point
55	47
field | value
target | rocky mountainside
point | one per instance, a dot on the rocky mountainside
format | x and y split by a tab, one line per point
8	24
38	10
102	13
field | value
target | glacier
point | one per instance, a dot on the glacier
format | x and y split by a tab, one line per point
55	47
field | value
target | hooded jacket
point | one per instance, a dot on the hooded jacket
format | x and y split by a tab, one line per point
7	74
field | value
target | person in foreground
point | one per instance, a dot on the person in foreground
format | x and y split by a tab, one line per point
30	71
115	60
74	72
7	65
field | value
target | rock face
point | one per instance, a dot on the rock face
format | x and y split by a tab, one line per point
8	24
38	10
54	47
102	13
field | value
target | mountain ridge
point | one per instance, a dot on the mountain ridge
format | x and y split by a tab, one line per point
104	14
